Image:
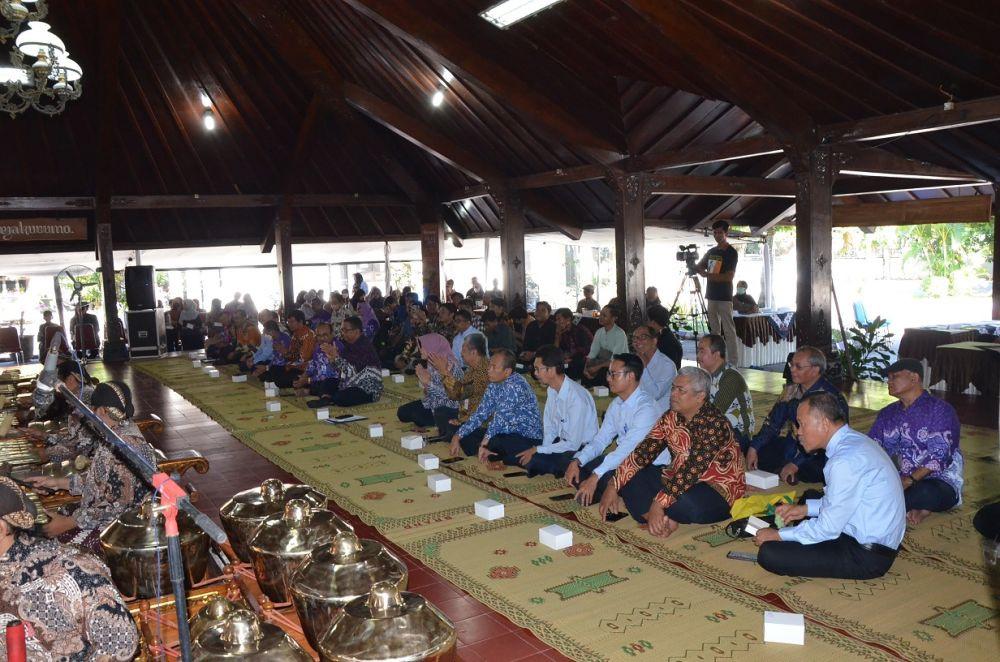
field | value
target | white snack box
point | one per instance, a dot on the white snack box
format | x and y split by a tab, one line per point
322	414
214	374
763	480
555	536
375	430
438	483
270	385
519	366
238	379
196	363
207	369
428	461
270	392
784	628
272	405
397	379
601	391
412	442
489	509
755	524
385	372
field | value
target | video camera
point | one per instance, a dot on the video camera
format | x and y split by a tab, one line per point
689	256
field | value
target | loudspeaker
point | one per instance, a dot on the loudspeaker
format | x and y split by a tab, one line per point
146	333
140	294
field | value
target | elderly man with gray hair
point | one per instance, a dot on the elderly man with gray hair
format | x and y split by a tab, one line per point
705	476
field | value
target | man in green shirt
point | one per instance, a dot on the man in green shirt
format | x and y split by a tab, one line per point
729	392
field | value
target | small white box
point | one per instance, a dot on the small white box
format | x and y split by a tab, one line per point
273	405
601	391
375	430
270	385
555	536
519	366
239	379
784	628
428	461
322	414
207	369
397	379
763	480
270	392
196	364
755	524
438	483
214	374
489	509
412	442
385	372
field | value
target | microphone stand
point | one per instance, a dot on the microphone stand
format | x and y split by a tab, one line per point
172	499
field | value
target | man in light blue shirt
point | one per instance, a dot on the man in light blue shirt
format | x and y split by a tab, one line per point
463	329
630	417
854	531
658	371
569	420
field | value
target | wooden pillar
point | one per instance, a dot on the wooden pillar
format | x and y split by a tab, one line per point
432	248
996	251
813	246
630	248
283	250
114	348
512	248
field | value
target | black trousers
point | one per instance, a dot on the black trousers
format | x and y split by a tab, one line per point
842	558
772	458
700	504
326	388
930	494
415	412
987	521
350	397
550	463
507	446
281	375
470	443
587	470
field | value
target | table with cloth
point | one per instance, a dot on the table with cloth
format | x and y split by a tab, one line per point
963	363
921	343
766	337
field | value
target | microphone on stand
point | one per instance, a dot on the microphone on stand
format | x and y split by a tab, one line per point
44	394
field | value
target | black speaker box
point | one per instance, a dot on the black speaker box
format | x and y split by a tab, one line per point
140	294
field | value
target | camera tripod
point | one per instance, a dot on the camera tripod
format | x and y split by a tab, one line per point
697	315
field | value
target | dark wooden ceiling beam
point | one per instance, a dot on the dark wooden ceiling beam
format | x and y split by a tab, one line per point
881	185
876	162
965	209
728	186
965	113
221	201
552	214
469	59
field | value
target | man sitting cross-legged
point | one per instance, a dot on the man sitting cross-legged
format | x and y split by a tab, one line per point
569	419
855	529
629	417
516	424
705	476
921	433
730	393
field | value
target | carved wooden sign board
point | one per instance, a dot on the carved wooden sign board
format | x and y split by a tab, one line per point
14	230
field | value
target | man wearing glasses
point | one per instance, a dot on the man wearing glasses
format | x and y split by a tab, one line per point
569	420
629	418
658	371
776	448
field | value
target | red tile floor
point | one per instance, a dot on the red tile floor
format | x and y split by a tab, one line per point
482	633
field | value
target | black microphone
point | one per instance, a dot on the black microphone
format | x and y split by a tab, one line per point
44	394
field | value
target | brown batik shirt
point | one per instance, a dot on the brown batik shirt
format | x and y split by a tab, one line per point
65	598
468	389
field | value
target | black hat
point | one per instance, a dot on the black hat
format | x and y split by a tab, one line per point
913	365
116	398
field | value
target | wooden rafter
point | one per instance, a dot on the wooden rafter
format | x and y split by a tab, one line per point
966	113
728	186
214	201
876	162
964	209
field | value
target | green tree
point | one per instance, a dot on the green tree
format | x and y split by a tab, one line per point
943	249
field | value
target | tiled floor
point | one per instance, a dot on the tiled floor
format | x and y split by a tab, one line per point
482	633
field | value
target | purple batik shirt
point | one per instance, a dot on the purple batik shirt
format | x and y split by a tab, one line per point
925	434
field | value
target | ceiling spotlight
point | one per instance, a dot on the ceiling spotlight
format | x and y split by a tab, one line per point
206	101
208	119
437	98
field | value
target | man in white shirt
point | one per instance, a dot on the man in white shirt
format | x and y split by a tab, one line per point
630	417
463	329
609	340
855	530
658	371
569	420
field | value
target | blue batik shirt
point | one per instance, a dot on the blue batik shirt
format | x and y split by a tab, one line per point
514	408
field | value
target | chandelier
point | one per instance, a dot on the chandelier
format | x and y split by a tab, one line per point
42	75
17	11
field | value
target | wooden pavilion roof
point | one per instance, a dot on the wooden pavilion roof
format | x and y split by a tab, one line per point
327	102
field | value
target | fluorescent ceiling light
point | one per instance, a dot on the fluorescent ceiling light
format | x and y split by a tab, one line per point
509	12
208	119
437	98
206	101
447	76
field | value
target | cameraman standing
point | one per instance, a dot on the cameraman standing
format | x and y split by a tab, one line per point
719	267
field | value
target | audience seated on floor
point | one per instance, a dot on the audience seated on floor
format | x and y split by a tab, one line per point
297	356
360	372
539	331
921	434
609	340
658	371
321	378
246	334
464	329
435	407
574	340
63	594
510	406
703	471
775	447
730	393
569	419
666	341
467	390
110	486
854	531
630	416
498	333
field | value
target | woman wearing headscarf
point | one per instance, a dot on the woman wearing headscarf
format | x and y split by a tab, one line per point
369	320
215	313
358	365
64	596
435	407
249	308
192	335
110	486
